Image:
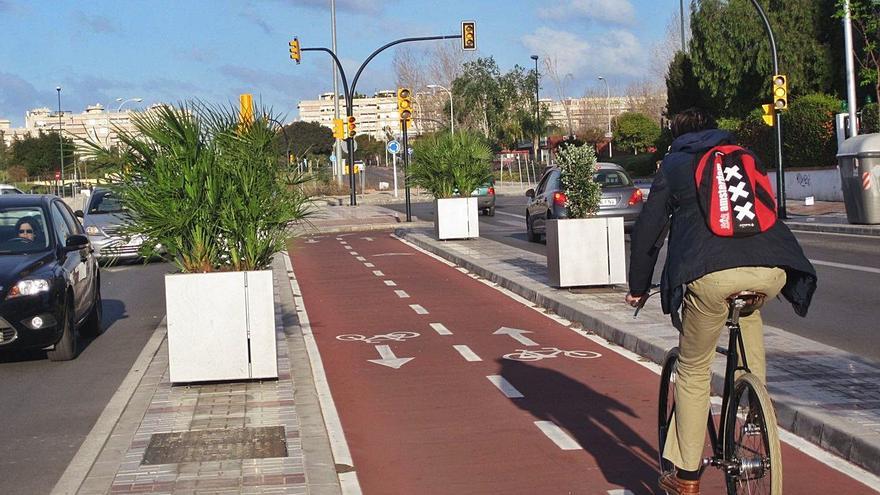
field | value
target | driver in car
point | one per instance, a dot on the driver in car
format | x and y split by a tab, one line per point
26	228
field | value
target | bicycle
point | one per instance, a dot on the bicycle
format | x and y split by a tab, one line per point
395	336
745	443
548	352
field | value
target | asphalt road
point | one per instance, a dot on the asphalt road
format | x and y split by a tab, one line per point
48	408
843	313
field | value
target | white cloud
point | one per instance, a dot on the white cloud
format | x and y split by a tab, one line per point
611	53
616	11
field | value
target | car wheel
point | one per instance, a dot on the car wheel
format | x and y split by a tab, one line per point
533	237
491	211
92	326
65	349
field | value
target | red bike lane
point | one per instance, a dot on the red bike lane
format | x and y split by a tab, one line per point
445	385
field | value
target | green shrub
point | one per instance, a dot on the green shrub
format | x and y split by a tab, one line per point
577	165
635	131
729	124
757	136
808	131
445	164
870	118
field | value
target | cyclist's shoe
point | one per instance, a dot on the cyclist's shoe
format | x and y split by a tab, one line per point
675	486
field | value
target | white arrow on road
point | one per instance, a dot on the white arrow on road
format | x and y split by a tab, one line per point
388	358
516	334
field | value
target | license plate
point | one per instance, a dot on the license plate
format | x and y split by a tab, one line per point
607	202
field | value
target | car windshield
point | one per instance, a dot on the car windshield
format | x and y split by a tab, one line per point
22	230
105	202
612	178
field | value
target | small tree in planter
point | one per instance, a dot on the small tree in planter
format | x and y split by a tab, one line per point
450	165
583	249
210	191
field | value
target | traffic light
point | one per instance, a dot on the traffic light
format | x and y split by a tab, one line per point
404	103
352	127
468	35
338	128
769	115
245	109
294	50
780	92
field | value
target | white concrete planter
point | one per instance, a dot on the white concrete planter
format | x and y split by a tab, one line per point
586	251
456	218
221	326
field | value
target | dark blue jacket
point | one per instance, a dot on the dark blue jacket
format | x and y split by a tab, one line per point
694	250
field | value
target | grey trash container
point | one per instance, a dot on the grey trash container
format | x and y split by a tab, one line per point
859	161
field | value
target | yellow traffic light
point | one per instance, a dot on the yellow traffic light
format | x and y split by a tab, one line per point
404	103
468	35
338	128
245	109
780	92
294	50
769	115
352	127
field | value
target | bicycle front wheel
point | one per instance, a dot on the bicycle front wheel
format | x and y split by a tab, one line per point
666	404
751	440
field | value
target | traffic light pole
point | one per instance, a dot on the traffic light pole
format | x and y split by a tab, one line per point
777	121
406	170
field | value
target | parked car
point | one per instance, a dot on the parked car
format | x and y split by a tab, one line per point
620	197
104	219
7	189
486	198
50	283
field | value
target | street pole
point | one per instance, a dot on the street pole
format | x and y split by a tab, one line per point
537	109
850	71
403	123
337	146
608	99
60	139
780	175
119	108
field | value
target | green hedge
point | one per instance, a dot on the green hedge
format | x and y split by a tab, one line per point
870	118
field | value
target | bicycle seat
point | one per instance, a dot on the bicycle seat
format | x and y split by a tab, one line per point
751	301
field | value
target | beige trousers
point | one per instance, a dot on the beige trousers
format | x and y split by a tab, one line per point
703	316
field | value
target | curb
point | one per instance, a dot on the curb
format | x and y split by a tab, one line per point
843	442
833	228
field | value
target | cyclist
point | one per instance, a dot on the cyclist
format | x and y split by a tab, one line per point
701	271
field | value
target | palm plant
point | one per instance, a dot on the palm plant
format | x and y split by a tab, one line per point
208	188
450	164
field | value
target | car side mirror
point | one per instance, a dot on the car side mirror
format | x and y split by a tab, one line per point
79	213
76	242
530	193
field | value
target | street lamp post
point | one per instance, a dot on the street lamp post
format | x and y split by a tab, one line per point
124	101
451	113
60	139
608	98
537	107
567	106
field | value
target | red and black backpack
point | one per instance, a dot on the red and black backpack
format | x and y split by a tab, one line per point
734	192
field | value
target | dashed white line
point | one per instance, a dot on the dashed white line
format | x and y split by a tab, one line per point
361	258
620	491
505	387
401	294
369	265
390	283
378	273
353	253
348	247
467	353
342	242
440	329
418	309
562	439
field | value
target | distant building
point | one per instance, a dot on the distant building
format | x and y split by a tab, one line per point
94	124
591	112
376	116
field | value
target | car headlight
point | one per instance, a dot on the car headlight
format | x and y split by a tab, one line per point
28	288
93	230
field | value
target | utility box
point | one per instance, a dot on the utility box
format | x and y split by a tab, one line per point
859	161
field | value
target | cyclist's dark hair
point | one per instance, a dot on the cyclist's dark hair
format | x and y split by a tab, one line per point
692	120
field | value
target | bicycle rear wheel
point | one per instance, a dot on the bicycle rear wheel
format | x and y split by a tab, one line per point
666	404
751	442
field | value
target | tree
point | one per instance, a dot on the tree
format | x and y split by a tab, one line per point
304	138
4	151
866	22
636	131
41	154
682	88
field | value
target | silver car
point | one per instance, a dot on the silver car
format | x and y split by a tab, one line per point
104	219
620	198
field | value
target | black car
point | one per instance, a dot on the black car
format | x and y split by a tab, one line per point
50	284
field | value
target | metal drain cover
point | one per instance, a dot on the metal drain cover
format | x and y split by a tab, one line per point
216	445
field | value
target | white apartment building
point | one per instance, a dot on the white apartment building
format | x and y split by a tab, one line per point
94	124
376	116
588	112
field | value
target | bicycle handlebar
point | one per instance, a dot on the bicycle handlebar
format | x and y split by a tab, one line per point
643	301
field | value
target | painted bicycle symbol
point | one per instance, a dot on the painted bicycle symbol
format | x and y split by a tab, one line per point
395	336
547	353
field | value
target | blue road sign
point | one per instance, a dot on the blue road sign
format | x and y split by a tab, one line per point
393	147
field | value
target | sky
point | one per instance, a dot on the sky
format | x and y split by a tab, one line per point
213	50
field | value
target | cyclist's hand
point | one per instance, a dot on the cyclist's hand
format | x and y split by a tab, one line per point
635	301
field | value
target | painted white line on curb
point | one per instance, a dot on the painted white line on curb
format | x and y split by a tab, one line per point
505	387
369	265
338	445
378	273
562	439
401	294
440	329
418	309
91	447
467	353
390	283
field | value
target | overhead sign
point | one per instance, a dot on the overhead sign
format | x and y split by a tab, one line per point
393	147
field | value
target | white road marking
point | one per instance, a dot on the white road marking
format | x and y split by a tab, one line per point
418	309
390	283
369	265
401	294
516	334
467	353
361	258
845	266
841	234
378	273
393	254
440	329
562	439
353	253
388	358
521	217
619	491
368	239
348	247
342	242
505	387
